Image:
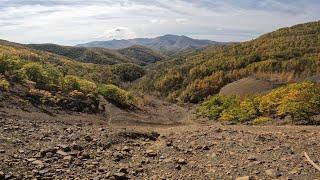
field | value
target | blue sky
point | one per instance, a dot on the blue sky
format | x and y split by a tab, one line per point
76	21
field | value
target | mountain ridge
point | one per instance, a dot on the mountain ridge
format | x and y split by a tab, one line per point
165	44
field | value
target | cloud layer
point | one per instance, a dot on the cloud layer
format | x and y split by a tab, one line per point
76	21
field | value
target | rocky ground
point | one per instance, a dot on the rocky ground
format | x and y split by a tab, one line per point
34	145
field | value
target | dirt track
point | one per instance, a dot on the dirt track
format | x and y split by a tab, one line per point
166	142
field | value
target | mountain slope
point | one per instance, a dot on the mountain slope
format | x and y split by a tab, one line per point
165	44
286	55
141	53
54	82
88	55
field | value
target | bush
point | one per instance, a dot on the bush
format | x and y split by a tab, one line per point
261	120
8	64
71	83
4	84
299	101
117	96
214	106
42	97
241	111
35	72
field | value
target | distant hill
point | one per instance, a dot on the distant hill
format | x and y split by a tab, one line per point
166	44
141	53
283	56
88	55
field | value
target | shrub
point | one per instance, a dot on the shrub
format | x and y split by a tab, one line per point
117	96
76	94
261	120
241	111
4	84
8	64
71	83
214	106
42	97
36	73
301	101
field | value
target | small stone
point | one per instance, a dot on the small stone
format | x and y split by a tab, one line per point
38	163
43	171
102	169
120	176
85	156
123	170
67	158
295	171
255	172
169	143
243	178
182	161
31	159
126	149
178	167
21	151
44	152
273	173
77	147
150	153
65	148
88	138
2	175
62	153
2	151
69	130
206	148
252	158
118	156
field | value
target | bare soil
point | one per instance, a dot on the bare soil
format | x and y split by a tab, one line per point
163	141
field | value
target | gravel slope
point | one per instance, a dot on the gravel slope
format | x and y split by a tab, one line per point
80	146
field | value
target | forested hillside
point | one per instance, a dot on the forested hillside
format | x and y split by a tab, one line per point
142	54
88	55
48	79
286	55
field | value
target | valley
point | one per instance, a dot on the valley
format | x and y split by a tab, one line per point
165	108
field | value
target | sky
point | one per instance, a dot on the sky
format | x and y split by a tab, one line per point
71	22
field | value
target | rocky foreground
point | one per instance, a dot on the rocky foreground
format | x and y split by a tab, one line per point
39	146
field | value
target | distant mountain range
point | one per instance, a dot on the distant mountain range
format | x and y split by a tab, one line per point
165	44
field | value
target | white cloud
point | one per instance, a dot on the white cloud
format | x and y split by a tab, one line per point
118	33
181	21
